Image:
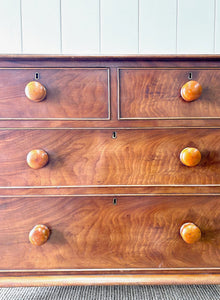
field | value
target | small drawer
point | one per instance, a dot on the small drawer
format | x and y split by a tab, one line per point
156	93
102	157
97	232
55	93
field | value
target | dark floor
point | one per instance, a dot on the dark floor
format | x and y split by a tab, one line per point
180	292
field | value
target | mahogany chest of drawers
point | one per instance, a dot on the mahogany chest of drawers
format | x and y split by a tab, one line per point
110	170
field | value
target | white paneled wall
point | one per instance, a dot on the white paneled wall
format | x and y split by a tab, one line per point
157	26
110	26
119	26
217	28
41	26
196	26
80	21
10	26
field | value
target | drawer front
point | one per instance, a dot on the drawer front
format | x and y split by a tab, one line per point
155	93
93	157
72	93
92	232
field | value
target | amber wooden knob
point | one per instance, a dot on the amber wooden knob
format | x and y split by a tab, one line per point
190	156
190	233
191	90
39	235
37	159
35	91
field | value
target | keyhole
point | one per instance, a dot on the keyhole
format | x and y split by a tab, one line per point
114	135
114	201
190	75
37	75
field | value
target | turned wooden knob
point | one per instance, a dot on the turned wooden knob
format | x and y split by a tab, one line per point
190	156
35	91
190	233
39	235
191	90
37	159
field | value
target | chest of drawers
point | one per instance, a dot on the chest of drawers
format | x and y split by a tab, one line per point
109	176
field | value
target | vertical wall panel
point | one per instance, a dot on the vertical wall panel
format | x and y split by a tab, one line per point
41	26
10	26
119	26
157	26
80	26
195	26
110	26
217	29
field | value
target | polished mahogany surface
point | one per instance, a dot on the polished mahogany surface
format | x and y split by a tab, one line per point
93	157
156	93
115	201
37	159
39	235
190	156
78	93
190	233
99	232
191	90
35	91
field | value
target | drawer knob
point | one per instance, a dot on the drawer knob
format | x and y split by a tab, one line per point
191	90
190	233
190	156
35	91
39	235
37	159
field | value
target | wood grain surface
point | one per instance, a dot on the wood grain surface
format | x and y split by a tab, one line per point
93	157
95	239
67	280
147	93
92	232
71	93
202	63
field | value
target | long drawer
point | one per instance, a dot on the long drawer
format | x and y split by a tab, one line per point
155	93
72	93
103	157
95	232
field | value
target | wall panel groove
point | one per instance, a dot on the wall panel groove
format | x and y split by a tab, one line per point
110	27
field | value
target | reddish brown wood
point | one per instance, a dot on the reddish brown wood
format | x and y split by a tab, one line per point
93	157
71	93
155	93
35	91
111	272
136	238
191	91
37	159
172	190
190	156
190	233
39	235
60	64
116	279
136	124
113	60
92	232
